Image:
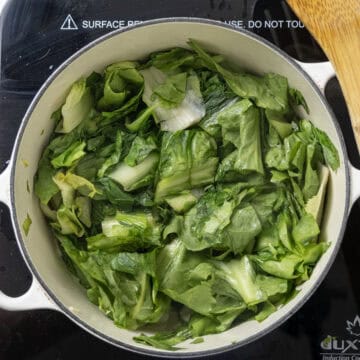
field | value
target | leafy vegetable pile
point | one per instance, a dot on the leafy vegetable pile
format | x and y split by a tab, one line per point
178	184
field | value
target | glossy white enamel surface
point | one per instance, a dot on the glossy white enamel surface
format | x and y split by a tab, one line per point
355	185
320	72
34	298
5	186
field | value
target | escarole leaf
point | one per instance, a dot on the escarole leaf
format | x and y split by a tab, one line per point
242	277
67	191
297	98
123	89
283	268
315	205
134	263
217	221
114	91
204	223
165	341
79	183
77	106
331	155
67	158
112	192
217	97
44	186
125	297
272	286
240	125
269	91
69	222
135	177
126	231
176	99
172	92
141	120
121	81
114	157
207	290
172	60
182	203
202	155
244	226
69	182
188	159
306	229
83	210
279	122
109	117
140	148
311	181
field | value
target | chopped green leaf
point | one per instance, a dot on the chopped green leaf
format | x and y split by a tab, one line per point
26	224
135	177
73	153
178	110
76	108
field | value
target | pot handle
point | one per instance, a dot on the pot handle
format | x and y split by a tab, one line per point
320	72
354	185
35	297
5	186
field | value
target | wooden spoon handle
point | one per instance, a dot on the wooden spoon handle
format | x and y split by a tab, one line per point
335	24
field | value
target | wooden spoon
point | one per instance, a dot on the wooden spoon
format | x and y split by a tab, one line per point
335	24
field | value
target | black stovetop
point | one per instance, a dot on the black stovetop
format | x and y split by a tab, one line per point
32	46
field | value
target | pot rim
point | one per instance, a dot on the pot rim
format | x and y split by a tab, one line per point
75	318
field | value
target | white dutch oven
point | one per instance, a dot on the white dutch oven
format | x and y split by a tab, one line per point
53	287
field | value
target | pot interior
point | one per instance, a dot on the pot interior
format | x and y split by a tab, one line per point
40	248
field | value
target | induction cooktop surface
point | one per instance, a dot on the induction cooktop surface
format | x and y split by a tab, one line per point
36	36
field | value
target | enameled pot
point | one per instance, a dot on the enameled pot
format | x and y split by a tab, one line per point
53	287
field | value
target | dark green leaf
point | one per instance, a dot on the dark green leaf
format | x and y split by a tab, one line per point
44	186
330	152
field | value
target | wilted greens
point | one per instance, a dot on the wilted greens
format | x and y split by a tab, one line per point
179	188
